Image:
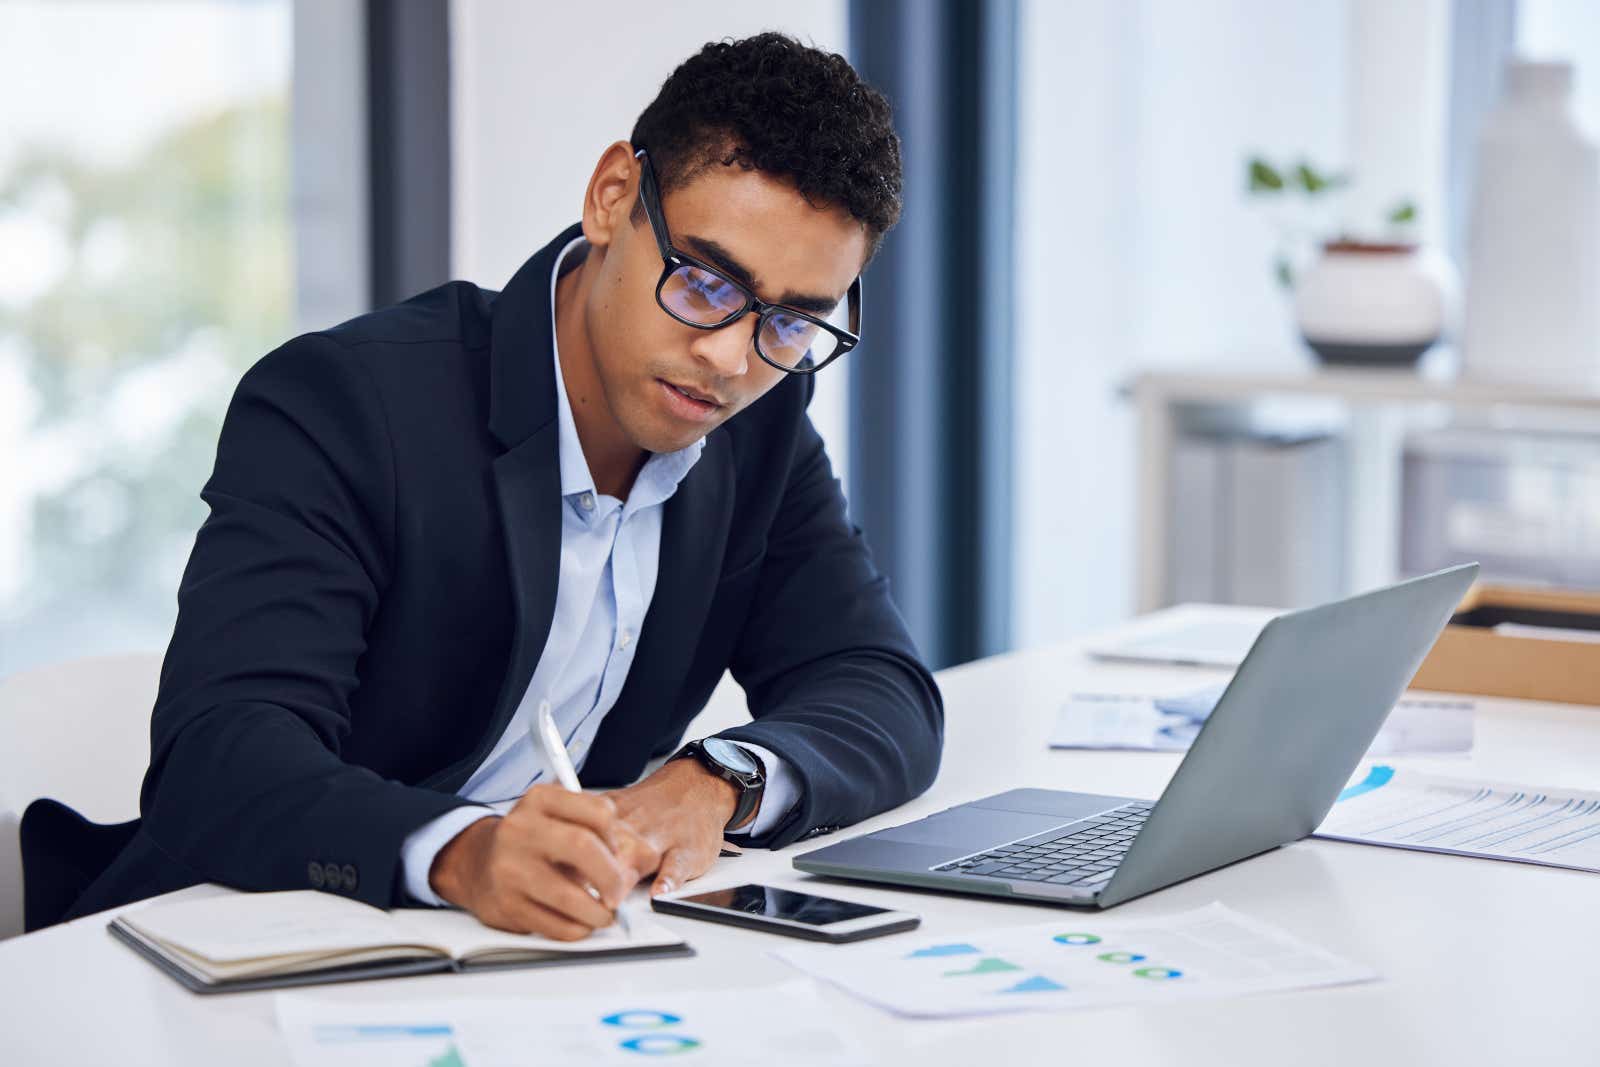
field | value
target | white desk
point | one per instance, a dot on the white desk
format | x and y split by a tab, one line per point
1483	962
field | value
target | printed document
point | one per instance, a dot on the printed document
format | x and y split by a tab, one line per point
1528	824
788	1023
1077	961
1170	724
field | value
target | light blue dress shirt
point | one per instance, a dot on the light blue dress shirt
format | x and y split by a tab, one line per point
610	555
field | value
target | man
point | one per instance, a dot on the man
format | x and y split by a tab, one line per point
590	494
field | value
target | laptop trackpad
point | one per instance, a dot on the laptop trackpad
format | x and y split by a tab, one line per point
968	828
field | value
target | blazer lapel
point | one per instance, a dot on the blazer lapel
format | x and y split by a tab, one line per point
527	481
694	534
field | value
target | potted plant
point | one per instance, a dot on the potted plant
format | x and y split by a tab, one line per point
1375	300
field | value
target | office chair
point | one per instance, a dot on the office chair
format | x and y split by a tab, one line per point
79	733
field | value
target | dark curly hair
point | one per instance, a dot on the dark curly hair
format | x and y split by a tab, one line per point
772	104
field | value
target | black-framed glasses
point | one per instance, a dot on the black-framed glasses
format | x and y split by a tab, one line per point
699	295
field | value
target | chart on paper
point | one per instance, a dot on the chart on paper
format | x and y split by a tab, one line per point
788	1022
383	1044
1526	824
1142	722
1078	962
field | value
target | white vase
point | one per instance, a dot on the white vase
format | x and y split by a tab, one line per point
1533	280
1374	305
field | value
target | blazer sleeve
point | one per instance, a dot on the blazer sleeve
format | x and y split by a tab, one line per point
246	785
833	680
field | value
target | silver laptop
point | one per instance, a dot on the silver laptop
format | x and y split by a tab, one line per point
1267	765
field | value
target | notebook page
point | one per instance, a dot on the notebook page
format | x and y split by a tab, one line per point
463	936
294	963
243	926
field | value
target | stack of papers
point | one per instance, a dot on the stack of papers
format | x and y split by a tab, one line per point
780	1026
1078	961
1527	824
1170	724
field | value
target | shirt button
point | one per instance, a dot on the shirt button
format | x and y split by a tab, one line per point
586	501
625	640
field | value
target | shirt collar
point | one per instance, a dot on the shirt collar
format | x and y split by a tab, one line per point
662	472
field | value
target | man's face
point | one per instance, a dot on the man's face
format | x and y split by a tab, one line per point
668	384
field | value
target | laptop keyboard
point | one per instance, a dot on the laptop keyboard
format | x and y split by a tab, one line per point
1083	854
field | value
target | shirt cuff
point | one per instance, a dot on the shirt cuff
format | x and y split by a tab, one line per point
779	797
421	845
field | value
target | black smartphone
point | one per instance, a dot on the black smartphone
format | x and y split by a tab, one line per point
787	912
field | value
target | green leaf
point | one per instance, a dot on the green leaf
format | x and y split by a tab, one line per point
1403	212
1263	178
1283	272
1314	181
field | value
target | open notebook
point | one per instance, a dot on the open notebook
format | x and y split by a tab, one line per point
243	941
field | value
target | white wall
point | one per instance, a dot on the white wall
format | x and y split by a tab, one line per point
1138	246
1399	96
539	89
329	153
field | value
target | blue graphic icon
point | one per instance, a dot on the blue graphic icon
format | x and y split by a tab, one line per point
1037	984
660	1044
944	950
1376	778
328	1035
1076	939
642	1020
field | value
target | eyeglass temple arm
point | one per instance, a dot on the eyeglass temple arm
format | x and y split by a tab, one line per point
657	223
856	303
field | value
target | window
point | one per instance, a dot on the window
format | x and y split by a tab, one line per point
145	261
1568	31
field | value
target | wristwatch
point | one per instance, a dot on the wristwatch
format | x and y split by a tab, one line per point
731	763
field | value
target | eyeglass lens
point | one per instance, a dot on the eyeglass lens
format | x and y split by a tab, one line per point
705	299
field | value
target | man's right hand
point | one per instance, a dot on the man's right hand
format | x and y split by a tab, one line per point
529	870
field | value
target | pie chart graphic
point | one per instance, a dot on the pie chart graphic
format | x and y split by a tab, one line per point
1076	939
660	1044
1120	957
641	1020
1157	972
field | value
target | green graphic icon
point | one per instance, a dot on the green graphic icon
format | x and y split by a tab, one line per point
450	1057
987	965
1121	957
1157	972
1076	939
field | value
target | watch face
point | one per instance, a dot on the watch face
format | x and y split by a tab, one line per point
730	755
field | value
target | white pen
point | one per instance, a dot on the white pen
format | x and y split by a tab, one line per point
555	750
555	754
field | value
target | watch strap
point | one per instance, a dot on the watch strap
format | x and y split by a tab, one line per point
750	787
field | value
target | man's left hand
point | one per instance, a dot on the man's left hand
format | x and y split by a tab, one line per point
681	809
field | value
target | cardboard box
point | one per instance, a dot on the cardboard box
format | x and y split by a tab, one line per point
1477	654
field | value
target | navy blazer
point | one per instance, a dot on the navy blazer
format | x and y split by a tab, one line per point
367	601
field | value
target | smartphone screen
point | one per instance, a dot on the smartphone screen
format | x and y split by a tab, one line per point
784	904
